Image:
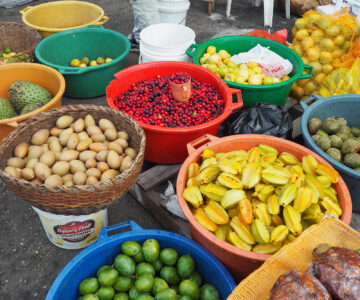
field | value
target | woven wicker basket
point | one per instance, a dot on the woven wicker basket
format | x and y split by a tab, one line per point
75	200
20	38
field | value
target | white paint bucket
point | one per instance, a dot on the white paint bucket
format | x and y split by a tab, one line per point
146	56
73	232
173	11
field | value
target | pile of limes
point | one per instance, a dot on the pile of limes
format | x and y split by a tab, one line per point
85	62
320	40
147	273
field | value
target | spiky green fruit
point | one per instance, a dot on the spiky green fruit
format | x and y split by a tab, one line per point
6	110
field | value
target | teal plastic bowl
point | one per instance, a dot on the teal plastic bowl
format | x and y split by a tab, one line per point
59	49
348	107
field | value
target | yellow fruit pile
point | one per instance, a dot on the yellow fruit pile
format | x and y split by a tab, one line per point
260	199
85	62
320	40
249	73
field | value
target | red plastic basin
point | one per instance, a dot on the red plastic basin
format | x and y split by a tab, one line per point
168	145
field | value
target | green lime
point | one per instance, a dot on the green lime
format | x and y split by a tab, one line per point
209	292
123	284
90	297
102	268
108	277
166	294
145	268
170	275
145	297
139	257
106	293
159	284
185	297
185	266
157	265
100	60
130	248
121	296
88	286
124	264
151	250
189	288
196	278
85	60
144	283
133	293
169	256
7	50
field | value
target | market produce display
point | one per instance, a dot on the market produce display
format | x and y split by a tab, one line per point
250	73
24	97
152	102
147	272
75	152
338	140
260	199
9	55
85	62
333	274
320	40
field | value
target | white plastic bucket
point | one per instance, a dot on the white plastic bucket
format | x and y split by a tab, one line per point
173	11
146	56
166	39
73	232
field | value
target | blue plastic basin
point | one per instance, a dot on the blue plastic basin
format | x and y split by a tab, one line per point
104	251
348	107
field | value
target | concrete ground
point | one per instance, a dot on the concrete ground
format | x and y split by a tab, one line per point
28	261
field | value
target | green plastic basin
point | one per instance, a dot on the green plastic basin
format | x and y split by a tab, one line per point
59	49
273	93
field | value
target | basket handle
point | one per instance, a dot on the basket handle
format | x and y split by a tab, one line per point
309	74
102	21
13	124
25	9
195	144
104	233
68	71
239	104
190	51
304	104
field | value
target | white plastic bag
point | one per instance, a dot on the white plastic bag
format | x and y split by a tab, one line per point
272	64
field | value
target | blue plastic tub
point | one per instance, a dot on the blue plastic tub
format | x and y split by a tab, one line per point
348	107
104	251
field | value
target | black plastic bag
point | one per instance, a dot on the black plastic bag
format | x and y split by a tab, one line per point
263	118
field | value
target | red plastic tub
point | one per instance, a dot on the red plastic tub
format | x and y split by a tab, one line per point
168	145
241	262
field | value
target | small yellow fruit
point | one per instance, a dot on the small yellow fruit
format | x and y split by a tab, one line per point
252	65
211	50
300	23
268	80
297	49
317	67
313	54
75	63
307	43
305	60
309	88
85	60
346	46
327	44
326	57
317	35
327	69
93	63
319	78
224	54
297	92
82	65
100	60
285	78
107	60
301	34
339	40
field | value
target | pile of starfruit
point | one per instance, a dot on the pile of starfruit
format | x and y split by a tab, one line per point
259	199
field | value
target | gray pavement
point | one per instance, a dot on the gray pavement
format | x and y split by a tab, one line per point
28	261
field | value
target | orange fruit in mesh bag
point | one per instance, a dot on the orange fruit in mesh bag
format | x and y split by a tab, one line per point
307	43
317	67
317	35
309	88
326	57
339	40
297	49
327	44
301	34
297	92
327	69
319	78
300	23
332	30
313	54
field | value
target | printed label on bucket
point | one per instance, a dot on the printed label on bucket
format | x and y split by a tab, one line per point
73	232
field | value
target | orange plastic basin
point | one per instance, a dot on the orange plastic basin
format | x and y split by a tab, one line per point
241	262
45	76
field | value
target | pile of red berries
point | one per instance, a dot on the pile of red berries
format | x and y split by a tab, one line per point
151	102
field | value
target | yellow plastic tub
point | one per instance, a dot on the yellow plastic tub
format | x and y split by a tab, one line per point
52	17
45	76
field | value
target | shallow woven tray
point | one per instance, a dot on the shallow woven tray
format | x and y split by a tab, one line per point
75	200
20	38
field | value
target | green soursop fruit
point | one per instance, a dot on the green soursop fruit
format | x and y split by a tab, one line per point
30	107
22	93
6	110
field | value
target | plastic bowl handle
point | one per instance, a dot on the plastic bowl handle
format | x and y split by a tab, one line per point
304	104
102	21
239	104
190	51
73	71
309	74
104	233
25	9
195	144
